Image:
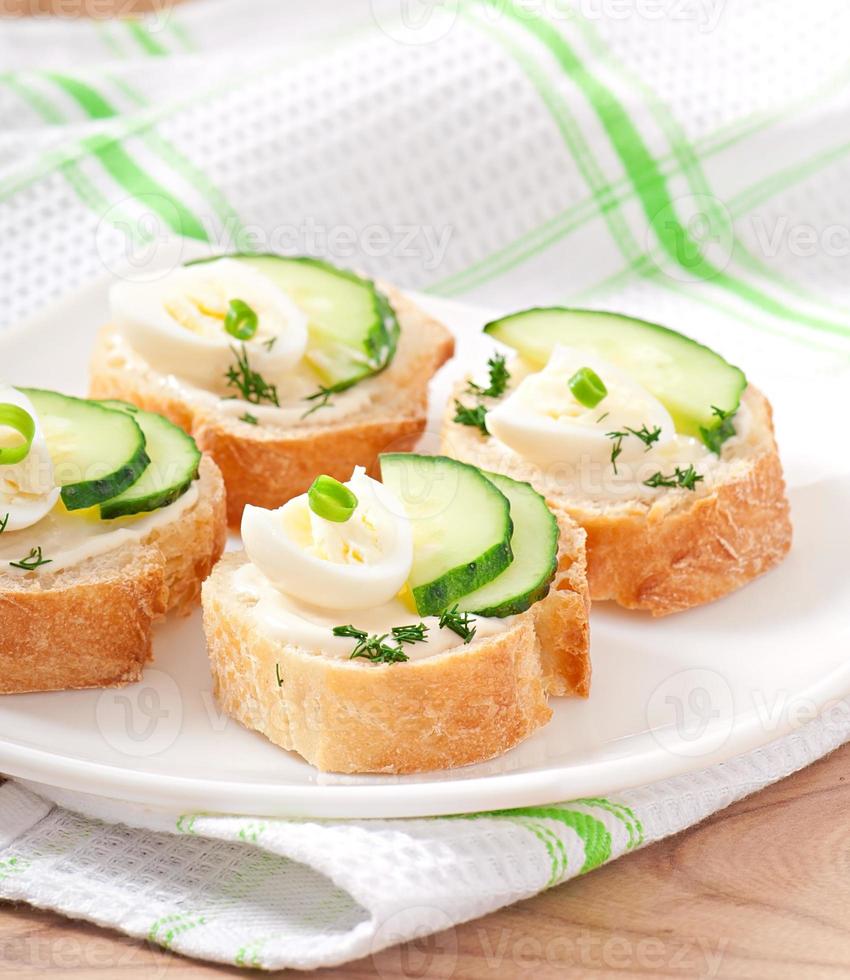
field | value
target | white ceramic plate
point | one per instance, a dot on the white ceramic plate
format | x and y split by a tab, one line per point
668	696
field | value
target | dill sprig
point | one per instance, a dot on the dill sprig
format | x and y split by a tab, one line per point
249	418
251	385
714	438
32	561
277	674
415	633
617	447
685	479
458	623
322	398
646	436
475	417
499	378
658	479
351	631
689	478
3	522
373	648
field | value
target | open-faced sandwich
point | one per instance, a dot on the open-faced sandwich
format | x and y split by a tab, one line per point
280	368
413	624
109	518
655	444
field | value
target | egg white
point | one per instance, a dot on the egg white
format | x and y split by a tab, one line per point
542	421
28	490
359	564
177	323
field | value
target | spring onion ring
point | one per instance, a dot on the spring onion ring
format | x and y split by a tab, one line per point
587	387
332	500
17	418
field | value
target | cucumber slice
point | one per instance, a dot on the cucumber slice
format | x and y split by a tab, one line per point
535	548
353	331
461	526
690	380
96	453
174	465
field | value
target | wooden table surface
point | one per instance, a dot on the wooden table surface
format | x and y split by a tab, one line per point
761	890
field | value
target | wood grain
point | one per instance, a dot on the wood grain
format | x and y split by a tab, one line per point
761	890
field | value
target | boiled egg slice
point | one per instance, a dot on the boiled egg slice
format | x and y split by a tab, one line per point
28	489
358	563
543	421
179	324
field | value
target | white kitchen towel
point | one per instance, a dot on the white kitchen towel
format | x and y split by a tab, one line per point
273	893
685	160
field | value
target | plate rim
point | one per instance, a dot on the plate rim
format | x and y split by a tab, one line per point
416	799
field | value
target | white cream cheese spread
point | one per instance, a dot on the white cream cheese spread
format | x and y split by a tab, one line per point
68	538
310	573
310	627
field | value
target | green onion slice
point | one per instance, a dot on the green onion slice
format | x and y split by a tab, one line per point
587	387
17	418
241	320
331	499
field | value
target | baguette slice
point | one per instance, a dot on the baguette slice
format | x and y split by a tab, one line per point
267	465
463	706
90	625
683	548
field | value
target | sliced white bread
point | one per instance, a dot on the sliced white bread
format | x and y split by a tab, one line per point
463	706
683	548
267	464
90	625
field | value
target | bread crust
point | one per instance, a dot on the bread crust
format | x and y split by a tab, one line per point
453	709
90	625
266	465
680	550
670	560
282	467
